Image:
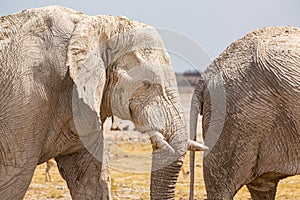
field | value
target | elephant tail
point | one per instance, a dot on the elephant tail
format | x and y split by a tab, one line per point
194	112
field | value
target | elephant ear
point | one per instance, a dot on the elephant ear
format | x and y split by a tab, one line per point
87	70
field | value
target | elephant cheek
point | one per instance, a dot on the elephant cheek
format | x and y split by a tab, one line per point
148	117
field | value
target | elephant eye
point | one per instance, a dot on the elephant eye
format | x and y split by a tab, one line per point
146	83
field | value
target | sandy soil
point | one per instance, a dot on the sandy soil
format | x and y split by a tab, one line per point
130	163
130	185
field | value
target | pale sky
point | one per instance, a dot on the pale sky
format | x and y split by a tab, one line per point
210	24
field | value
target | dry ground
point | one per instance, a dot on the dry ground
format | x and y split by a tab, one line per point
130	160
129	185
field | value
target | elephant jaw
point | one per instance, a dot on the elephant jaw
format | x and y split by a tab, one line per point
158	141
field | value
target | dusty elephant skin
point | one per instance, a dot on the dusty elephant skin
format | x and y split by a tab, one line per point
62	73
259	135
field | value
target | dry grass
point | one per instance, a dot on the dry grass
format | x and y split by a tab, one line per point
127	157
128	185
40	189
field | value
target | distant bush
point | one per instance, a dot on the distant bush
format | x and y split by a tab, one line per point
187	78
191	73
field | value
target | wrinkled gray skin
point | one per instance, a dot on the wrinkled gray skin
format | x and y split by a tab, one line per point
60	73
259	142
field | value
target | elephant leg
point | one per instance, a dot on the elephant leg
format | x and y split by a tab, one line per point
19	155
15	179
87	177
264	187
225	174
223	184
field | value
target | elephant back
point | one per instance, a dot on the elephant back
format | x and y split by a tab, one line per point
12	25
260	74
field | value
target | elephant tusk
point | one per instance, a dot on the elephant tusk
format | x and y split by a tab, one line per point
157	140
196	146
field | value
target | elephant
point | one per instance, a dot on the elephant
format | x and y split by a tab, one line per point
62	73
249	100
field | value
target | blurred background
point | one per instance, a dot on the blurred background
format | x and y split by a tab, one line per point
212	25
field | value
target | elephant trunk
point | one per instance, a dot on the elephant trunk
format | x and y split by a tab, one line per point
168	156
163	181
166	166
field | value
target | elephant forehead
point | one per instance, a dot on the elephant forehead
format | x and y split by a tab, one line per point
129	41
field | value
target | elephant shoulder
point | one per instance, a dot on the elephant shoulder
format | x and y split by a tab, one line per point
9	27
258	49
34	42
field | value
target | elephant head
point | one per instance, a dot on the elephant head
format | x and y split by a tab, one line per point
121	67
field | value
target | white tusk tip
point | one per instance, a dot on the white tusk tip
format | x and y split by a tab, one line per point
196	146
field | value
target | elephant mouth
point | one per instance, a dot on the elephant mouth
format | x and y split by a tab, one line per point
158	141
